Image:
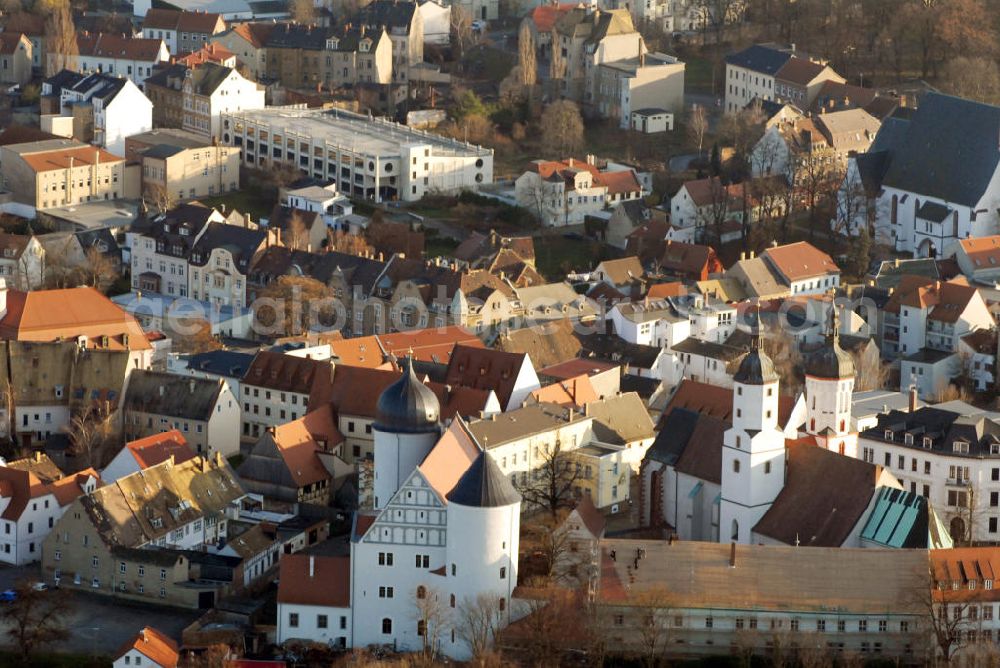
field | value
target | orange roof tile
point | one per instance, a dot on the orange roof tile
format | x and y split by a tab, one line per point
315	580
577	367
362	351
801	260
154	645
299	441
158	448
545	16
983	252
449	459
624	181
66	314
576	391
47	161
433	344
664	290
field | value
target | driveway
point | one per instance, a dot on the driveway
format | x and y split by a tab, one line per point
99	625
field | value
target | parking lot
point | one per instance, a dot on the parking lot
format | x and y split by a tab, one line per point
99	625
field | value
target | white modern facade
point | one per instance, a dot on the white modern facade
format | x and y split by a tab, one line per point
367	157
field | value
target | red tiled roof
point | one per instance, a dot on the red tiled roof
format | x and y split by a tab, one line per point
576	367
210	53
290	373
254	33
450	458
106	45
946	301
664	290
158	448
545	16
576	391
328	583
799	71
715	401
965	565
433	344
299	441
172	19
983	252
591	517
154	645
485	369
624	181
9	41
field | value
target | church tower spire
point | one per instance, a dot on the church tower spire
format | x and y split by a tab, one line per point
830	378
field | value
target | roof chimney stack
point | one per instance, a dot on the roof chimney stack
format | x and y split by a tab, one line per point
913	398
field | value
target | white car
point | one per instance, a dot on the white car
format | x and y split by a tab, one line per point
479	25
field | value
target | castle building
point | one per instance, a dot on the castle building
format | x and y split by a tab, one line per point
443	537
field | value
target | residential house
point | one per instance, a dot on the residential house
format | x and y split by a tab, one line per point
335	208
563	192
689	261
211	90
949	456
799	81
116	54
307	56
585	40
34	494
770	72
83	345
205	411
16	57
978	258
182	31
923	324
210	53
436	19
247	41
514	256
22	261
177	164
141	537
550	302
510	375
644	90
836	136
148	647
142	453
962	579
61	172
296	462
405	27
650	323
706	208
220	261
621	274
978	354
32	26
278	388
540	22
837	96
934	175
103	109
793	269
161	247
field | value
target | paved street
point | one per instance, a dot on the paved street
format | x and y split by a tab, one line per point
99	624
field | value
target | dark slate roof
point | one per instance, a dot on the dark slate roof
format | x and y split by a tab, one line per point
162	151
101	240
63	79
830	361
871	170
280	261
242	242
297	36
950	150
756	368
386	13
483	485
163	75
408	406
933	212
673	437
943	428
168	394
760	58
176	230
614	349
227	363
209	76
97	85
641	385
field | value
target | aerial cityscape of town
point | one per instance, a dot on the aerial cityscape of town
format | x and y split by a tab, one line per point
488	333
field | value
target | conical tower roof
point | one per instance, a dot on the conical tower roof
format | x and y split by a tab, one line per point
484	485
408	406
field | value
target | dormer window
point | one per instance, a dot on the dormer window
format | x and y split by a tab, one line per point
995	448
960	447
185	232
908	439
928	442
166	227
888	434
332	43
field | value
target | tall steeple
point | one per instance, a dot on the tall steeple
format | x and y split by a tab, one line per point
829	386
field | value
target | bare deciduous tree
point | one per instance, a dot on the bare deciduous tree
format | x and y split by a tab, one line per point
479	622
431	615
160	196
526	58
550	486
36	618
561	128
60	38
697	126
461	30
89	432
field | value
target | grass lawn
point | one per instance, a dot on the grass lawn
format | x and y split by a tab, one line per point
439	246
244	201
555	255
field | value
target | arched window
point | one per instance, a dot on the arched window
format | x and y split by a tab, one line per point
842	425
452	602
503	604
812	424
386	625
736	466
736	530
421	592
421	627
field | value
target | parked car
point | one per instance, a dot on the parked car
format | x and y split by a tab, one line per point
8	596
479	25
39	586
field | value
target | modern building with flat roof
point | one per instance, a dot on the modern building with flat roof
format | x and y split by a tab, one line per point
367	157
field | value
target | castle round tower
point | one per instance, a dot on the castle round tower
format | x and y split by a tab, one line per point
407	425
829	386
